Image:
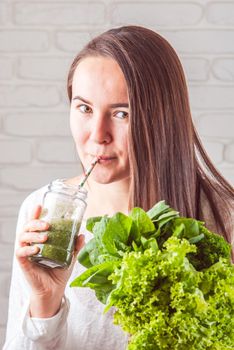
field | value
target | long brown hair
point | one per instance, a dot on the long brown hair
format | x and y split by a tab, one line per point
166	156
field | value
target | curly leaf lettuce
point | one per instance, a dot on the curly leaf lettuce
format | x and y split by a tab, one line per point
169	278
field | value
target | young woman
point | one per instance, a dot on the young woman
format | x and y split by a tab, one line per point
129	105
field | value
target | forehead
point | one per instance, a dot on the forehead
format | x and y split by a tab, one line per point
97	76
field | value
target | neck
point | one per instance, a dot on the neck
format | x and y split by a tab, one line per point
107	198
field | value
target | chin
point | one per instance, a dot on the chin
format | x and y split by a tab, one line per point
105	179
108	178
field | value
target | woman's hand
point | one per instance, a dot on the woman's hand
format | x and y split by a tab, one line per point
47	285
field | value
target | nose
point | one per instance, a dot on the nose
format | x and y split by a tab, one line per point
100	129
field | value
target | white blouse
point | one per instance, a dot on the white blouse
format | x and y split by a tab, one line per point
80	324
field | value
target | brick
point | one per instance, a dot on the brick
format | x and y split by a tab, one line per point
2	335
28	96
67	14
6	71
229	153
6	252
30	178
216	125
71	41
31	1
7	265
4	310
3	14
37	124
211	97
44	68
220	13
223	69
158	14
23	40
214	150
8	211
210	41
228	174
57	151
11	198
195	116
41	1
5	279
7	233
15	152
196	69
64	99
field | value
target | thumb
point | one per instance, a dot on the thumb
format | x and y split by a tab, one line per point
80	242
36	212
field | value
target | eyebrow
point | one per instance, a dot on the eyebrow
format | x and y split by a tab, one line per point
112	105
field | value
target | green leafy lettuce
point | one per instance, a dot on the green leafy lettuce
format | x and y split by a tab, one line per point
169	278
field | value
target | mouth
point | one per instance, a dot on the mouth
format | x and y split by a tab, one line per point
101	157
105	159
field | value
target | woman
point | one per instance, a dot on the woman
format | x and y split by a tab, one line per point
129	104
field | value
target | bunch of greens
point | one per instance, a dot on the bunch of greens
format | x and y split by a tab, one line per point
170	279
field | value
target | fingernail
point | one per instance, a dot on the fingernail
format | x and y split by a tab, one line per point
33	249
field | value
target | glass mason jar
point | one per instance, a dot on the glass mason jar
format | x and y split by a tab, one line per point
63	208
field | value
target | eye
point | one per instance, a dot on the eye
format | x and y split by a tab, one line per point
84	109
121	114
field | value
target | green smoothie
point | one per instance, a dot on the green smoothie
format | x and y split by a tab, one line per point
58	249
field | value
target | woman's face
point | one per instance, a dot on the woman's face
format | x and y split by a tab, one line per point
99	117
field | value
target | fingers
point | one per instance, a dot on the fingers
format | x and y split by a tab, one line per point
23	254
32	237
36	225
32	233
29	235
36	212
80	241
32	229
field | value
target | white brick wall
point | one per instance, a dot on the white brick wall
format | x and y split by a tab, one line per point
38	40
24	96
23	40
223	69
156	13
65	14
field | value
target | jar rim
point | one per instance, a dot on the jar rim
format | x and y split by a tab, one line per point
63	181
60	185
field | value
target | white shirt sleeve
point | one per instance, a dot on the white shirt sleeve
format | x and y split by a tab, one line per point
24	332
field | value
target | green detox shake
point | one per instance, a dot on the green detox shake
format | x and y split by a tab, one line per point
57	251
63	208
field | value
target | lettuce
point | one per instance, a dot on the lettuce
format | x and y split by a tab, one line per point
169	278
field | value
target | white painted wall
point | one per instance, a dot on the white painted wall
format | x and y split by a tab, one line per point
38	40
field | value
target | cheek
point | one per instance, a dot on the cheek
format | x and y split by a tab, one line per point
78	131
124	140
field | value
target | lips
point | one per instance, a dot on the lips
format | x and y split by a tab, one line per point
101	157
